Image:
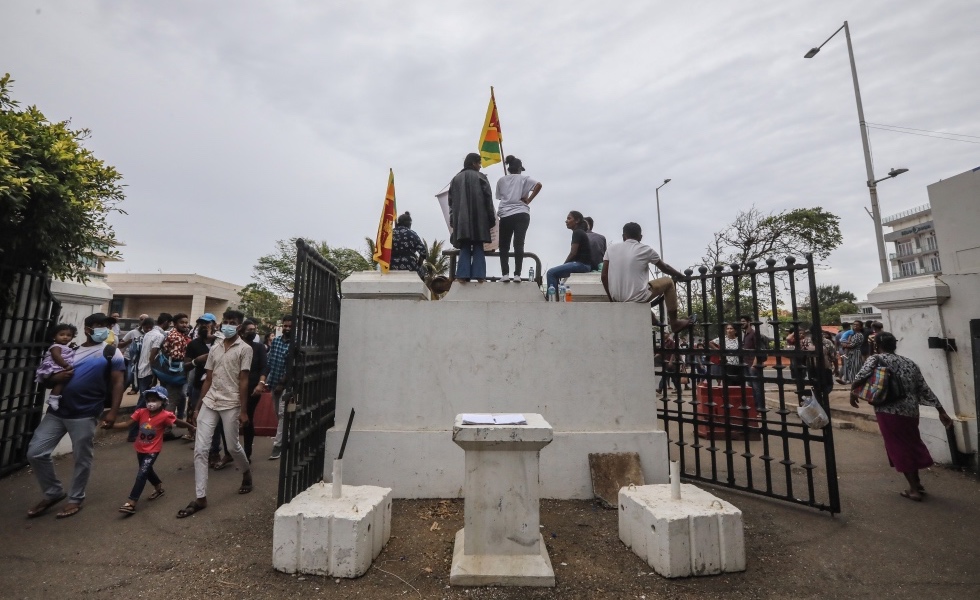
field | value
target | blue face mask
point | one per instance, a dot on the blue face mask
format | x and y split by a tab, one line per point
100	334
229	330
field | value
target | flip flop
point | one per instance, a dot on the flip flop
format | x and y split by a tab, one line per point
128	508
42	507
246	487
70	510
906	494
190	509
227	460
157	494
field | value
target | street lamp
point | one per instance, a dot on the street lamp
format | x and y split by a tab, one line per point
660	231
872	182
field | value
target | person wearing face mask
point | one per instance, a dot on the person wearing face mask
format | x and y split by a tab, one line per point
250	334
224	402
195	356
274	378
97	375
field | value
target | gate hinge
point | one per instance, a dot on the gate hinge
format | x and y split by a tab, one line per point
947	344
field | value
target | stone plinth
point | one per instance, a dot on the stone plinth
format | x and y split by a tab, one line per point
587	287
501	542
405	285
699	534
317	534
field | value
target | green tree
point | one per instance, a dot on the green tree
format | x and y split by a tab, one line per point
261	305
828	295
277	271
435	263
55	195
370	252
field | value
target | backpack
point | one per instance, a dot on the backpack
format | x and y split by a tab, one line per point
169	363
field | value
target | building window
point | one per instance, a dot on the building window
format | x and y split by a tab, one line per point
907	268
867	310
116	305
904	248
934	263
931	243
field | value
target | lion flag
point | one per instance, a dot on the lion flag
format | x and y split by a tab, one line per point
491	138
382	244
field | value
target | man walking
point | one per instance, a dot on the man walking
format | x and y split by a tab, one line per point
250	334
274	378
98	375
224	395
625	269
754	362
472	217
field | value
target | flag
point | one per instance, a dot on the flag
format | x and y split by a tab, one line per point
491	138
382	244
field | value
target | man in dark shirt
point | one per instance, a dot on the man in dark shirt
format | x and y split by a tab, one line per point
94	378
753	369
194	359
579	259
249	334
597	244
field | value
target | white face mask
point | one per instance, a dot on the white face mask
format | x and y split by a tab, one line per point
154	406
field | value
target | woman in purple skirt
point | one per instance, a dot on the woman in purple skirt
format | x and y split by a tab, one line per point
898	420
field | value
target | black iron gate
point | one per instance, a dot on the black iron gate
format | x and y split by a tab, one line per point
716	431
311	387
27	308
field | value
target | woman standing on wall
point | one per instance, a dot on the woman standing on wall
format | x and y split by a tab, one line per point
515	192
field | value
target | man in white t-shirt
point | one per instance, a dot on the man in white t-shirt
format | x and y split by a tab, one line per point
625	271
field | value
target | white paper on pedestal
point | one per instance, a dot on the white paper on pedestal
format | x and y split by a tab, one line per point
477	419
510	419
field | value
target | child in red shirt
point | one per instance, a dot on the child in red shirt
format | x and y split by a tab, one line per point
153	421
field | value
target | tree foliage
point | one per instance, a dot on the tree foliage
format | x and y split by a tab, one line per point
277	271
435	263
833	302
55	195
261	305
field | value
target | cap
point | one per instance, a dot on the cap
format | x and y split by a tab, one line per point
159	391
99	318
207	318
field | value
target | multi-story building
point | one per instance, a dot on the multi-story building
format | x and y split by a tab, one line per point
916	247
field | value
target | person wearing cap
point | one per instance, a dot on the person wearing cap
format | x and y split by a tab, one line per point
472	217
515	191
148	353
224	398
195	357
98	375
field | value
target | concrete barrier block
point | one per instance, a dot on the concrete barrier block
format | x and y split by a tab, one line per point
320	535
699	534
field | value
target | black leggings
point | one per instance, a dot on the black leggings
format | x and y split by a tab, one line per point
513	226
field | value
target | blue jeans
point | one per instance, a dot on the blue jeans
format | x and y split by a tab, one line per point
754	376
46	437
145	473
471	263
563	271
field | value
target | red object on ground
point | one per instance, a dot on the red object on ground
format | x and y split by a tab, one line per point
738	417
266	421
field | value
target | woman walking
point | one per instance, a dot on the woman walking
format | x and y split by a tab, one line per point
852	353
898	419
515	192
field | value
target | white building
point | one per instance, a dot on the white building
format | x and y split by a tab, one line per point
916	246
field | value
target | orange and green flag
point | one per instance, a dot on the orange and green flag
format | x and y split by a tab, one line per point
382	244
491	138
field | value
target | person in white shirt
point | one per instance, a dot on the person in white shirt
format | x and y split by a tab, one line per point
515	192
625	271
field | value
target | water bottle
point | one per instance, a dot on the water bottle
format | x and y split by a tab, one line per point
561	292
551	293
568	293
530	274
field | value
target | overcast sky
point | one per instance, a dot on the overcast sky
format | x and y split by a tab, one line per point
239	123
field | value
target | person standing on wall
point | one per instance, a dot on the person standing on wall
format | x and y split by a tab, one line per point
471	216
515	191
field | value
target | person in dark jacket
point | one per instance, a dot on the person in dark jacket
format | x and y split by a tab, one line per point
471	216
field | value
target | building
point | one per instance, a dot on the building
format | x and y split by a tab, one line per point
79	300
153	293
916	246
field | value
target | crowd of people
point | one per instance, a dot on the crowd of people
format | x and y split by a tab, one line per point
208	380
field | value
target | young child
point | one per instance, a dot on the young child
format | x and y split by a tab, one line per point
59	357
153	421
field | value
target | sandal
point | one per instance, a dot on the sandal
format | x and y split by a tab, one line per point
156	494
246	483
190	509
907	494
128	508
214	459
42	507
227	460
70	510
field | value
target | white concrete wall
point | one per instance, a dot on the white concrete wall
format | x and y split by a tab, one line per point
409	367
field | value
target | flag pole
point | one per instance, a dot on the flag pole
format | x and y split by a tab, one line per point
501	142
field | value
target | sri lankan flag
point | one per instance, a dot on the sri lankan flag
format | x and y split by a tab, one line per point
382	244
491	138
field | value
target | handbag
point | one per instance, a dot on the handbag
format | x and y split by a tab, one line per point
881	387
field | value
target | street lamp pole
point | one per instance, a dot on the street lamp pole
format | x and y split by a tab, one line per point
872	184
660	231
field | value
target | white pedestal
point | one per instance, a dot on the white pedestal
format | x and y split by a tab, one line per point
699	534
501	542
317	534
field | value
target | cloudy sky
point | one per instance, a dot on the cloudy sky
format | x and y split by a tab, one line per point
239	123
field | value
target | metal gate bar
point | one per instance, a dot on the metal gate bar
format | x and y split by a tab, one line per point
749	443
311	367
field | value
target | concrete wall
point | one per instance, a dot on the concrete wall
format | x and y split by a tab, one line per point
409	367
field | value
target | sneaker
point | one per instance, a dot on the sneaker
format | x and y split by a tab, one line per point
516	279
276	453
505	278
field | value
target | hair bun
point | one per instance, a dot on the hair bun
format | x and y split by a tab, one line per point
509	159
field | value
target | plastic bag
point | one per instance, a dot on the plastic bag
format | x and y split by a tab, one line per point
812	413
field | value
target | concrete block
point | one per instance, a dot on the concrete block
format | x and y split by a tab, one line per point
392	285
587	287
700	534
526	570
317	534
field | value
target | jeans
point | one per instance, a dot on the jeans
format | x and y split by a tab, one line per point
471	263
513	226
177	399
144	383
46	437
253	403
280	412
563	271
754	376
144	474
207	421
